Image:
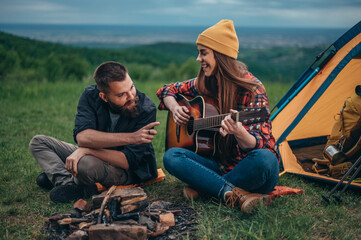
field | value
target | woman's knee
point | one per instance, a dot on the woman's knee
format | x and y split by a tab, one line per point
264	159
172	158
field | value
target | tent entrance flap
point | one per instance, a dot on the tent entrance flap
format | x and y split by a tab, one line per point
301	161
306	150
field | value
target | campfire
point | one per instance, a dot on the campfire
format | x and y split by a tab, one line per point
123	214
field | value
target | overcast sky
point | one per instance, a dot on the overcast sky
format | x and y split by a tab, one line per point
261	13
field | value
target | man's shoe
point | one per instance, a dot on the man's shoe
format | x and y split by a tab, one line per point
246	200
66	193
190	193
43	181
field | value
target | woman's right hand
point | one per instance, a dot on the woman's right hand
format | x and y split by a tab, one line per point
180	114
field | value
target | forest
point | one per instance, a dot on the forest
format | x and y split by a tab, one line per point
24	59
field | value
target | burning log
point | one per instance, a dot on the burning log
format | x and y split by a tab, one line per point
133	200
78	235
123	214
116	231
67	221
85	225
121	194
82	206
167	219
134	206
105	201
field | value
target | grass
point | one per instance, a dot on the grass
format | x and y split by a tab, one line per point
34	108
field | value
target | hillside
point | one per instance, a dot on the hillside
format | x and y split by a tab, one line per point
25	59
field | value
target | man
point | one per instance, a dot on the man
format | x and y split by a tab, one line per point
114	131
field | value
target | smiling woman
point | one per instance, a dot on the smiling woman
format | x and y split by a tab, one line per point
244	165
207	60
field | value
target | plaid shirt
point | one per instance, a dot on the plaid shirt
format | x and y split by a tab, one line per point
262	132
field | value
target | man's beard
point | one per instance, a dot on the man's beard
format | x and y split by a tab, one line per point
128	112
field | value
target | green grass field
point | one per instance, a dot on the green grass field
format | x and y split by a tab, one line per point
45	108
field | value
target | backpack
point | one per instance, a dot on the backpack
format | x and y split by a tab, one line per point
344	142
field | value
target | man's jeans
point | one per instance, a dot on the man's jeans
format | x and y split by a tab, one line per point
258	172
51	155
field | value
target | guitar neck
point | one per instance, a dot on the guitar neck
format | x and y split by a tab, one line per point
246	116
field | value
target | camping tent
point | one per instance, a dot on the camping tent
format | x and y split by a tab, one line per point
305	115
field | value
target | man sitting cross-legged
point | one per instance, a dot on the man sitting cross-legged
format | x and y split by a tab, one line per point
114	132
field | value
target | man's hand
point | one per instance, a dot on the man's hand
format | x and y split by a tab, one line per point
145	134
71	163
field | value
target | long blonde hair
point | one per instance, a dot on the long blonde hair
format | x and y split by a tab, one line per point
224	87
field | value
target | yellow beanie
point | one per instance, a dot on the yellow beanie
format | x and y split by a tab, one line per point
221	37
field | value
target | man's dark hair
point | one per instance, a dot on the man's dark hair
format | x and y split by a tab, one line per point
109	72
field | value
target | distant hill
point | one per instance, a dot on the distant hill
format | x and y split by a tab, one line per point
36	60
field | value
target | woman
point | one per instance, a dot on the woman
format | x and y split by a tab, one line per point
245	166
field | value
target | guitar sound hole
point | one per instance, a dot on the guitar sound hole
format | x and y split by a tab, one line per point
190	126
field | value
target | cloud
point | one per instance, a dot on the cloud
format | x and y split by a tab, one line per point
307	13
21	6
164	11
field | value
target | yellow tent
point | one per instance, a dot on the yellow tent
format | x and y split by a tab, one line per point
305	115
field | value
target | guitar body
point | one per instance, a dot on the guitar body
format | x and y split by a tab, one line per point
200	133
201	142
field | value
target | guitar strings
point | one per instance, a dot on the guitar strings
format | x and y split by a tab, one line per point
215	121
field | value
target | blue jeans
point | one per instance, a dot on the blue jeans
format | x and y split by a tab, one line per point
258	172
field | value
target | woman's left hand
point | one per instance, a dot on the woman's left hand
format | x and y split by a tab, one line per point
229	126
245	140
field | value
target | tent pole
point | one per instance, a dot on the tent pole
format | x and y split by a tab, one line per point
327	198
295	92
309	78
338	197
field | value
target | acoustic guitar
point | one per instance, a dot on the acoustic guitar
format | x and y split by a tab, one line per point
199	134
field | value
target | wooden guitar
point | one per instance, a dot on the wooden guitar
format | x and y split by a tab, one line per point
199	134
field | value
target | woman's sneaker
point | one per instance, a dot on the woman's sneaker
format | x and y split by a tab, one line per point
254	200
246	200
190	193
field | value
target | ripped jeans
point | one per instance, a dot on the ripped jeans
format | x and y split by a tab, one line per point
257	173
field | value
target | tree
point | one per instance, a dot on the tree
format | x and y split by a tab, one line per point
9	61
74	66
53	69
